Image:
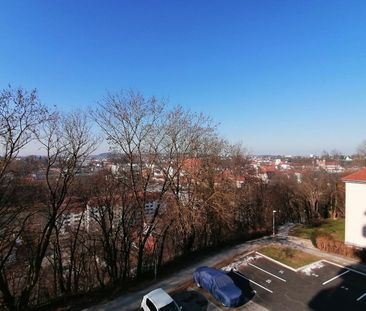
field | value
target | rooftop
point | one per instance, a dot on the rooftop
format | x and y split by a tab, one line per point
359	176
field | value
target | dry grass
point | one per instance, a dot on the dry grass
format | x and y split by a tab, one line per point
292	257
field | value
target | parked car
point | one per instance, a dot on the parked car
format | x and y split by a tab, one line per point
220	285
159	300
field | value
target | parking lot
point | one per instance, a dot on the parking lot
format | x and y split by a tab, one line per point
320	286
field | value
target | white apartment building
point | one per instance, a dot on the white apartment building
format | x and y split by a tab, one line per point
78	213
355	233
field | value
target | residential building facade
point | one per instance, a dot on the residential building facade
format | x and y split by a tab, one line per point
355	231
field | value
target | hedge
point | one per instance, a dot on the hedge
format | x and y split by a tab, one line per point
327	243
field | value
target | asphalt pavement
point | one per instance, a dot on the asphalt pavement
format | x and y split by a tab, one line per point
131	301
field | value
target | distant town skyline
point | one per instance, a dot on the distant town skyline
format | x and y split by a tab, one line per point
282	77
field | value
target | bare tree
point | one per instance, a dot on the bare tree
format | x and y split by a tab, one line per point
184	133
361	149
131	124
361	152
67	142
21	113
150	140
314	191
113	218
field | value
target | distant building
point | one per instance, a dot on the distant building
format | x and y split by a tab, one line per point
330	167
266	172
298	177
356	208
285	166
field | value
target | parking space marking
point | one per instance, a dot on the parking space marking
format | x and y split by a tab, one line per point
276	262
336	277
261	286
337	265
283	280
359	298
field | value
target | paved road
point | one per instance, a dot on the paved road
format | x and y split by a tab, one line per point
131	301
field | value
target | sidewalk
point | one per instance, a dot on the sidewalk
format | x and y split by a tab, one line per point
131	301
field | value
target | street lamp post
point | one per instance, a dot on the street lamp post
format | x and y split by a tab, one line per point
273	222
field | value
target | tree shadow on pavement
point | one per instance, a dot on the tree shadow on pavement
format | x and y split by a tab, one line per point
191	300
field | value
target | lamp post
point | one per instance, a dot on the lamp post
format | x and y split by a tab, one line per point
273	222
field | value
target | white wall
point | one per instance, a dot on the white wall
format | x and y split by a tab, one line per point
355	214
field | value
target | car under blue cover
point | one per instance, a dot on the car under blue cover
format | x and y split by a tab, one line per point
220	285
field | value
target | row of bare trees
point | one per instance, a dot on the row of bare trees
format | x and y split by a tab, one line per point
172	190
26	223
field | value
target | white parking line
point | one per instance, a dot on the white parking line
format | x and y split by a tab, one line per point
336	277
238	273
283	280
277	262
359	298
338	265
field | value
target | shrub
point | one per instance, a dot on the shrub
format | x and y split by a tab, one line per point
327	243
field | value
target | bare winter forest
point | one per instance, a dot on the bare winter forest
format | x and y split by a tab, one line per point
172	187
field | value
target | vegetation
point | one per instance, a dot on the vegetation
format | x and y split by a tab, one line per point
333	227
328	236
327	243
68	228
292	257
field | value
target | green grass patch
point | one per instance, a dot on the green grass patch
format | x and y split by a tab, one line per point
292	257
335	228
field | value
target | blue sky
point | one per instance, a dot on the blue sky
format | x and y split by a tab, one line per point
284	77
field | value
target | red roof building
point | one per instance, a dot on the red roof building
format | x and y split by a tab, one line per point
359	176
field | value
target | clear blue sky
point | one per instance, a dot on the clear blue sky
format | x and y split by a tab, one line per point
281	76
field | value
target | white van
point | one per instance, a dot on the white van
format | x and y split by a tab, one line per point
159	300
